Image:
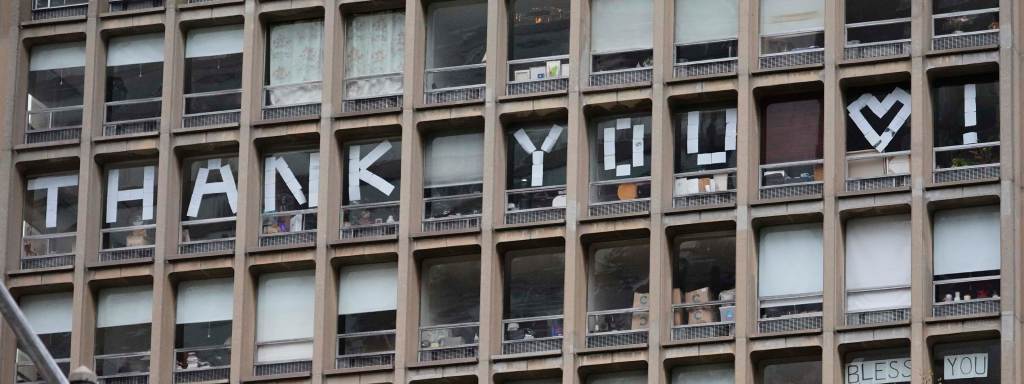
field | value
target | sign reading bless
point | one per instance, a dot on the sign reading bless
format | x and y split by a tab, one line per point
878	371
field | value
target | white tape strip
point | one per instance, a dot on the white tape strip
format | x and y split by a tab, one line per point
609	149
116	195
278	166
692	132
970	105
202	188
358	170
51	185
314	179
730	129
638	145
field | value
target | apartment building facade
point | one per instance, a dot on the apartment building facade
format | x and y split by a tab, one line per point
514	191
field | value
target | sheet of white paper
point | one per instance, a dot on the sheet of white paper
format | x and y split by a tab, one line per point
692	131
970	138
718	158
970	105
51	185
638	145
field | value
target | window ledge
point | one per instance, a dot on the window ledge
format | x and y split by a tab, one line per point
716	76
199	256
853	328
208	128
423	106
384	111
592	219
953	319
134	12
871	60
930	185
794	199
805	332
362	240
351	371
427	235
58	20
41	271
882	191
275	378
794	68
709	340
278	248
526	356
46	145
536	224
443	363
143	135
946	52
711	207
210	4
616	87
617	348
115	264
286	120
530	96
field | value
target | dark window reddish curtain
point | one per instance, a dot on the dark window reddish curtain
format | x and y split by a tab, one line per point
791	130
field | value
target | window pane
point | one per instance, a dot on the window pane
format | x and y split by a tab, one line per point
704	374
367	297
620	147
456	33
706	51
878	33
374	48
54	88
450	290
792	372
700	21
785	251
289	181
534	283
453	159
860	11
538	28
791	130
536	155
706	262
975	362
284	312
966	110
213	73
621	25
643	58
617	274
626	377
791	16
133	209
878	366
373	170
706	140
966	240
792	42
947	6
122	339
866	130
203	334
65	218
965	24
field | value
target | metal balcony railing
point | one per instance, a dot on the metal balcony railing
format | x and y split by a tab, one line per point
621	77
131	5
530	342
695	321
47	250
367	357
815	56
793	323
885	316
701	68
449	342
617	327
899	48
42	10
54	124
215	118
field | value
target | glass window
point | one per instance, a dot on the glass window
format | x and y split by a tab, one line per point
213	69
538	41
704	271
792	133
130	219
49	315
891	366
877	21
202	333
621	34
453	174
456	43
135	77
537	154
877	263
783	252
534	289
966	251
123	319
706	30
792	25
624	377
50	215
722	373
374	54
367	305
44	4
954	17
373	182
56	83
974	362
291	184
284	316
449	301
877	131
620	152
791	372
966	118
294	63
705	143
618	284
209	199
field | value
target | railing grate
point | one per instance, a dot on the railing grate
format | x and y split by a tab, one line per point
454	95
803	323
794	59
786	191
367	231
142	378
531	346
34	137
372	104
202	375
877	183
619	208
363	361
47	261
703	331
131	128
112	255
685	70
57	13
534	216
894	49
704	199
199	121
954	175
878	317
206	247
966	308
537	86
467	352
451	224
288	239
131	5
632	76
602	340
267	369
304	110
943	43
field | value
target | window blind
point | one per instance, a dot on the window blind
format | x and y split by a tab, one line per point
878	257
201	301
55	56
284	312
454	159
621	25
214	41
966	240
135	49
700	21
47	313
124	306
704	374
786	251
368	288
780	17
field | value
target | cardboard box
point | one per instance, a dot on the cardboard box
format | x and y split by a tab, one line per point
701	315
538	73
640	320
641	300
698	296
522	75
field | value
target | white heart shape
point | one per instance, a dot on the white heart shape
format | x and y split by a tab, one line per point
880	108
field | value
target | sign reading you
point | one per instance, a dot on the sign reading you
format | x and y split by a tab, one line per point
965	366
879	371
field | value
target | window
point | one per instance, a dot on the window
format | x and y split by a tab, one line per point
284	317
704	279
552	380
966	248
210	200
966	122
786	251
47	4
789	26
367	305
956	17
877	265
374	55
706	30
456	43
534	292
130	219
374	169
123	317
877	132
869	22
202	334
618	286
791	141
624	377
56	83
449	304
621	35
705	159
453	175
975	362
792	371
620	152
723	373
291	184
135	78
294	63
878	366
538	46
50	218
213	70
49	315
537	154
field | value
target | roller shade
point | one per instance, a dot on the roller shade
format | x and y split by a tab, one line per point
789	16
124	306
704	374
47	313
214	41
454	159
201	301
54	56
368	288
878	256
136	49
284	306
621	25
966	240
702	20
786	251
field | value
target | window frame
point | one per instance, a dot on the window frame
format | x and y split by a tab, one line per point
308	213
182	223
874	23
267	88
935	17
109	228
73	235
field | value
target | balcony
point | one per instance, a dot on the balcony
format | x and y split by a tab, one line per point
620	197
873	171
288	228
900	48
201	371
790	323
963	296
621	77
538	75
531	335
885	316
372	93
449	342
617	328
967	29
723	66
47	250
54	124
362	221
535	205
797	58
126	368
43	10
456	84
791	180
374	349
705	189
132	5
965	163
211	109
128	243
276	103
703	320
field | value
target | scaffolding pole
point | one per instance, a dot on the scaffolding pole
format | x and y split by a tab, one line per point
28	341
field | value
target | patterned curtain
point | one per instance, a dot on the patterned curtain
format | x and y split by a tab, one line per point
374	54
296	57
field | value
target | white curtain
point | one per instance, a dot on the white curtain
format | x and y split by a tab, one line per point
878	256
966	240
787	251
790	16
368	288
214	41
55	56
621	25
375	47
47	313
454	159
296	57
703	20
627	377
284	311
704	374
135	49
124	306
201	301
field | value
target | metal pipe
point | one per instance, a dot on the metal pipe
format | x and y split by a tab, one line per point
28	341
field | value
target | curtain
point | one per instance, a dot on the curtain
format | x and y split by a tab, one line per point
375	47
47	313
284	311
124	306
792	131
704	374
56	56
700	21
966	240
453	159
214	41
135	49
790	16
878	256
368	288
621	25
202	301
295	59
786	251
